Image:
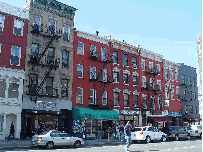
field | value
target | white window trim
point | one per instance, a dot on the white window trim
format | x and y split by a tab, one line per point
94	73
127	79
158	83
136	79
94	50
151	63
117	58
106	98
116	79
175	75
114	99
21	27
143	77
2	25
82	49
173	90
136	62
81	95
106	75
82	70
103	54
158	65
94	98
19	54
178	91
170	74
68	31
144	64
39	21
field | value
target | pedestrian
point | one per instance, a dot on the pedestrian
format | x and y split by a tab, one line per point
81	131
128	130
11	131
121	131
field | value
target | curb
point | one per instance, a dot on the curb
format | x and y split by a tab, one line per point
15	147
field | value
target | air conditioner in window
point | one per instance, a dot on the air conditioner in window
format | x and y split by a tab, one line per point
94	54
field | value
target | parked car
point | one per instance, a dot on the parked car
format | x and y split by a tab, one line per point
147	134
176	132
52	138
195	131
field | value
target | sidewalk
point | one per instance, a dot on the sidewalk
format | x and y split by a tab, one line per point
26	144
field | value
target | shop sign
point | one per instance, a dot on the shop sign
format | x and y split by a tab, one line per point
128	112
42	104
157	113
174	114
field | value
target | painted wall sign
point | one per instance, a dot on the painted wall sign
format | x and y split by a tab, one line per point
129	112
43	104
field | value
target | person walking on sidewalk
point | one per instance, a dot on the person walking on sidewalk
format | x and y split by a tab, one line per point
11	131
128	130
121	131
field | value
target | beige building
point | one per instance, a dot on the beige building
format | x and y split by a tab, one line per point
47	101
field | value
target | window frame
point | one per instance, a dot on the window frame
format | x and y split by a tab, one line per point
158	70
194	95
115	57
104	97
172	92
0	48
14	26
78	48
66	90
54	26
65	64
135	81
32	53
151	67
135	102
2	24
160	102
143	65
50	60
93	97
12	81
144	101
116	78
171	74
68	32
151	81
103	57
166	92
19	56
104	75
93	71
3	80
126	60
144	83
40	21
134	62
177	92
159	81
127	95
125	81
82	69
116	100
176	76
80	95
166	73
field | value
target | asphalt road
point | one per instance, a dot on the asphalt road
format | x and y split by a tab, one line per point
169	146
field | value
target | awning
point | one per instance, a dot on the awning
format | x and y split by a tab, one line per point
160	119
87	113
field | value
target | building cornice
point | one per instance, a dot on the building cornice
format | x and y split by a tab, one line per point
151	55
171	65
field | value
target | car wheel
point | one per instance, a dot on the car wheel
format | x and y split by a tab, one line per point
163	138
147	139
50	145
77	144
188	137
176	137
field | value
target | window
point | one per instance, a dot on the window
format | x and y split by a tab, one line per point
2	88
64	88
144	101
13	88
188	80
93	73
115	57
18	27
92	49
134	80
65	58
194	82
104	97
143	65
1	23
166	92
79	95
50	56
126	100
151	83
165	73
36	23
159	84
158	68
184	93
135	100
1	123
176	76
15	55
191	109
125	60
33	81
171	74
49	86
191	81
160	102
35	50
116	99
92	99
144	82
183	79
125	79
152	105
190	95
195	109
66	32
80	48
194	95
134	61
52	27
0	49
177	92
172	92
54	134
104	75
80	71
150	66
115	77
104	54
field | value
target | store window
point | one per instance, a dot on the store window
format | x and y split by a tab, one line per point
92	99
125	79
135	100
104	75
79	95
66	32
125	60
15	55
134	80
104	54
126	100
50	56
143	65
35	50
18	27
36	23
80	71
115	57
165	73
116	77
104	97
52	27
116	99
2	18
65	58
2	88
13	88
134	61
64	88
80	48
93	73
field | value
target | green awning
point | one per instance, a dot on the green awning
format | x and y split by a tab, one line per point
87	113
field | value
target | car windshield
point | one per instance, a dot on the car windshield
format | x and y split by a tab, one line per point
199	127
139	129
44	133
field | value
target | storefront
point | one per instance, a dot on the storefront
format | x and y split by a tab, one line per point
96	123
176	117
45	114
130	115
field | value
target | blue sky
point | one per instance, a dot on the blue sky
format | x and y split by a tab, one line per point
167	27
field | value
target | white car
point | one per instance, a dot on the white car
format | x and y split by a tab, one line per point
195	130
56	138
147	134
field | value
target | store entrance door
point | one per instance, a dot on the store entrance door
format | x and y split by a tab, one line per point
28	127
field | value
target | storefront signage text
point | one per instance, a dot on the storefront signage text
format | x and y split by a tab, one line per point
174	114
128	112
43	104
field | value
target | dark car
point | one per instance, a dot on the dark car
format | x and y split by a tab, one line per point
176	132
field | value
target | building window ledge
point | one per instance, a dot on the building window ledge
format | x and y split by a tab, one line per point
116	106
126	107
135	68
116	64
126	84
115	82
134	85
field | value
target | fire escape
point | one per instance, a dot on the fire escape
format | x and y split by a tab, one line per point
50	63
100	83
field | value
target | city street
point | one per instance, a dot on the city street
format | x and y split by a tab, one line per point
194	145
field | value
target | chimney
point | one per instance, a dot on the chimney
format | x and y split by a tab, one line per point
123	40
97	33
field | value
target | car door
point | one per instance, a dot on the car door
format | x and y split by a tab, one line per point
151	133
66	139
55	137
